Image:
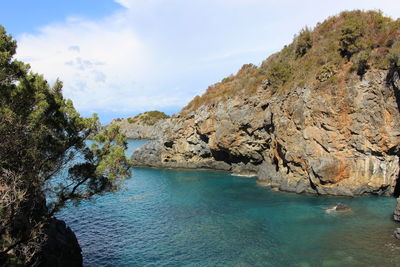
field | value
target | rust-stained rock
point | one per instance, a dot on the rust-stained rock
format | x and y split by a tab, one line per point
340	139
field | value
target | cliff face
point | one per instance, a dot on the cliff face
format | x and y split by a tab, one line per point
340	140
316	117
140	130
148	125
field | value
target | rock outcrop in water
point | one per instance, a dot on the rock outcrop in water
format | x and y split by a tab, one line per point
335	134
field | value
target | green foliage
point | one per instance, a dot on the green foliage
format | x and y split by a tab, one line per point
303	42
148	118
43	135
350	38
326	72
367	38
360	61
278	74
394	54
132	120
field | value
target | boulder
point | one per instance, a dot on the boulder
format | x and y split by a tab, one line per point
397	233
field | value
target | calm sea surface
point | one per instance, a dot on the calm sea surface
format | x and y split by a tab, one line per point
205	218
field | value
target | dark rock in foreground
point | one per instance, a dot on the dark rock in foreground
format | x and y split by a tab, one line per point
61	247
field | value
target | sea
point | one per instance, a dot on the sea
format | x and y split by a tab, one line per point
165	217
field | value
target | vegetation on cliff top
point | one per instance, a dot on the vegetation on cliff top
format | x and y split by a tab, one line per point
148	118
357	39
43	135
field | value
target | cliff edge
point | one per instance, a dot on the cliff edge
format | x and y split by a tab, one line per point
147	125
321	116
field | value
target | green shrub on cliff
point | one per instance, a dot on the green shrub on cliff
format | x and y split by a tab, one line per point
394	54
358	41
42	135
360	61
148	118
303	42
278	73
326	72
350	37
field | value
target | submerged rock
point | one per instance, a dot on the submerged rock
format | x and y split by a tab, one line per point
397	233
339	207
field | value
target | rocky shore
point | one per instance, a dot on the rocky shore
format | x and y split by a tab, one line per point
322	116
341	139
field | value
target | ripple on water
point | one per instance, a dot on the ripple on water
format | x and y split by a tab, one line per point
197	218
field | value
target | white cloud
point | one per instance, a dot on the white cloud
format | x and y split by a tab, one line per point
157	54
125	3
97	60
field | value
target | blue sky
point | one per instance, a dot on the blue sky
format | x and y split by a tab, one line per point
21	16
121	57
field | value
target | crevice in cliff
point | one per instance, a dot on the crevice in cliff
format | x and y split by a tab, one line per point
169	144
285	163
203	137
396	191
276	163
313	186
393	80
225	156
246	128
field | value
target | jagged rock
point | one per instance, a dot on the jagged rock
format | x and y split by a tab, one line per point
341	207
336	140
396	214
140	130
397	233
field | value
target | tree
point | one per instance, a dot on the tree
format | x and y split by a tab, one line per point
42	136
278	73
303	42
350	38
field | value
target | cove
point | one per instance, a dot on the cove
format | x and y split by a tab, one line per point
206	218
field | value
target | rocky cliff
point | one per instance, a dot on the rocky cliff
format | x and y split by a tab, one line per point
147	125
336	131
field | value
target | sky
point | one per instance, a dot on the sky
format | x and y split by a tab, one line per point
119	58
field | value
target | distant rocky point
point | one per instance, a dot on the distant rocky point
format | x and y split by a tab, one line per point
147	125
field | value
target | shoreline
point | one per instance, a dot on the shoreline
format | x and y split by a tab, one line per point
261	183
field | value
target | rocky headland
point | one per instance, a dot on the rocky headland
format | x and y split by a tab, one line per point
321	116
147	125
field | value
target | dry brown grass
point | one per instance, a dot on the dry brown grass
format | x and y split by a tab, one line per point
378	37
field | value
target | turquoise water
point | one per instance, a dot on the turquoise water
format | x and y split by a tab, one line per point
204	218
